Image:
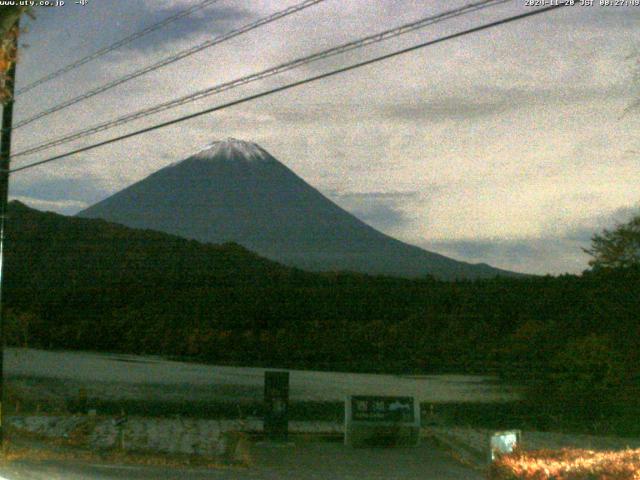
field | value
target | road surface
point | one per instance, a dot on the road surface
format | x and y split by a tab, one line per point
302	461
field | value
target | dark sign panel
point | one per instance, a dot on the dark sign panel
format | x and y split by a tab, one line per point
276	405
382	409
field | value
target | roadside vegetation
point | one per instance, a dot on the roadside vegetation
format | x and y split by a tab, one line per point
567	464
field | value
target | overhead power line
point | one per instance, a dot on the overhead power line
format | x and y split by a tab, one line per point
291	85
172	59
115	46
346	47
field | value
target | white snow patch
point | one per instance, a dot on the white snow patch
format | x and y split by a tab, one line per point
229	148
232	147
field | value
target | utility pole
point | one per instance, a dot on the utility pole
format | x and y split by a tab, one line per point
5	165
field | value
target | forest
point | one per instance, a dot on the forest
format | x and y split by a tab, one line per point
573	341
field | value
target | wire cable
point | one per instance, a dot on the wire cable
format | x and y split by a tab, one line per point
291	85
172	59
378	37
115	46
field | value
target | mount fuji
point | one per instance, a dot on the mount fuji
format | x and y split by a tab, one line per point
235	191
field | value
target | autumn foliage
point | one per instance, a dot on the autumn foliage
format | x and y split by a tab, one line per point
567	464
7	57
9	32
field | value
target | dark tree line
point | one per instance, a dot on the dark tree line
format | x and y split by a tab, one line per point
72	283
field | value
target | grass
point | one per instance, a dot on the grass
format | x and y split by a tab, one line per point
567	464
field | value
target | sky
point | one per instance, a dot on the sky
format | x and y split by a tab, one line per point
511	146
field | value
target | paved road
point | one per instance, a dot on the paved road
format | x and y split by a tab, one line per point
303	461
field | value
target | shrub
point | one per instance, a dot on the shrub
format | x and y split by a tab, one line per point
567	464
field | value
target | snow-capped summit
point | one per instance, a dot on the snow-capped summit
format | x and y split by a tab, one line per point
233	190
234	149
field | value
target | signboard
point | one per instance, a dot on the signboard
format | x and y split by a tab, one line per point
502	443
381	421
276	405
382	409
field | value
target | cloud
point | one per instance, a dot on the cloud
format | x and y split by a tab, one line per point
52	190
482	101
606	18
487	101
557	254
386	211
584	229
214	20
378	196
452	108
381	216
110	21
538	255
65	207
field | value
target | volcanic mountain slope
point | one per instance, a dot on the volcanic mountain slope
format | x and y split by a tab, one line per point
236	191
